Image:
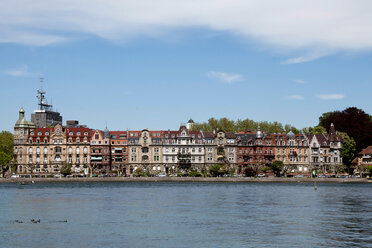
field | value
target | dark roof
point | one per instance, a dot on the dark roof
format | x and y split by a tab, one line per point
230	135
209	135
332	136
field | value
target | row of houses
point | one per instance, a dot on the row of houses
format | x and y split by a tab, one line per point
45	149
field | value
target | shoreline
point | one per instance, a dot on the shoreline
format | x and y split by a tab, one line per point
185	179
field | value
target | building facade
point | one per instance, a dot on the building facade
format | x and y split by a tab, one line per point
45	150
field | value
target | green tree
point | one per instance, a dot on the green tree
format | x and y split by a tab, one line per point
348	149
315	130
66	169
369	170
6	151
228	125
214	170
277	167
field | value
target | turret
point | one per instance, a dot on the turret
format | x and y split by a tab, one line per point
106	133
190	123
22	128
259	134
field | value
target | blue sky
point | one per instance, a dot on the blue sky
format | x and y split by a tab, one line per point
156	66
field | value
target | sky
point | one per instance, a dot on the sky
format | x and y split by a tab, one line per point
136	64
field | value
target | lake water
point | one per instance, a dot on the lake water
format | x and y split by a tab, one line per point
186	215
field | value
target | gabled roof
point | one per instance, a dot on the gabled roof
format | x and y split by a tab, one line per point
366	151
209	135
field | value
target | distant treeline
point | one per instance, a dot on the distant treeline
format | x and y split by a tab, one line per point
228	125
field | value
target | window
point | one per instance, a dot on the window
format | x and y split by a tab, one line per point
134	149
78	133
71	133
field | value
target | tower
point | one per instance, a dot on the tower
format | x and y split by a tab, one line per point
45	115
190	124
22	128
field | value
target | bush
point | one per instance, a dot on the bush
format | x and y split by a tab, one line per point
66	169
194	173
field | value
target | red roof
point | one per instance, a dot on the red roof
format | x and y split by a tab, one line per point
366	151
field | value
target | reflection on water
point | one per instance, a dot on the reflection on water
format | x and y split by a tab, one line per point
186	215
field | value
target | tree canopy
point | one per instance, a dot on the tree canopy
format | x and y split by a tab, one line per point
348	149
353	121
6	150
242	125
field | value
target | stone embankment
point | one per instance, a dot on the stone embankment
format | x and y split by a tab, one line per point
183	179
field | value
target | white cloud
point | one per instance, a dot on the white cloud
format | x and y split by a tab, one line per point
299	81
18	72
331	96
224	77
297	26
297	97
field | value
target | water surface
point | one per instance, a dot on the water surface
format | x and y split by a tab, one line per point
145	214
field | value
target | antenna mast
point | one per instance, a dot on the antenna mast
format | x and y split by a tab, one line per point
41	96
